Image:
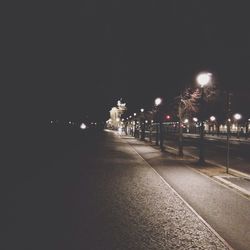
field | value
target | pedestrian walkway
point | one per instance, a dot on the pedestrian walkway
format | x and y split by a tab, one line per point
238	180
226	210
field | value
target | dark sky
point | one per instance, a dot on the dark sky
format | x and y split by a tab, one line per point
77	59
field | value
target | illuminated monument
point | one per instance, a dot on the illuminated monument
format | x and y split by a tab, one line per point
115	115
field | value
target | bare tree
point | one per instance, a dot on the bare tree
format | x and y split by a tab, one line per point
189	103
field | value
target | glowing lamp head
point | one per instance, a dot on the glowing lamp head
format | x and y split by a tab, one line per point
212	118
83	126
142	110
203	79
134	114
237	116
195	119
158	101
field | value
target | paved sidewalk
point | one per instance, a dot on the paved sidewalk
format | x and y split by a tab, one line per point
227	211
235	179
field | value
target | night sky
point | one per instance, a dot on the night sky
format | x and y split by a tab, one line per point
78	59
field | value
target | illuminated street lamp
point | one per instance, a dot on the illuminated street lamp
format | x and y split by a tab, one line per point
142	124
237	117
212	118
202	79
158	102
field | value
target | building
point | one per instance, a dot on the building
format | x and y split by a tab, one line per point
115	120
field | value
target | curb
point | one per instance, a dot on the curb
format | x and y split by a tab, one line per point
230	184
236	172
231	171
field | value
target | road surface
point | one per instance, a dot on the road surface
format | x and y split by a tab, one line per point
96	192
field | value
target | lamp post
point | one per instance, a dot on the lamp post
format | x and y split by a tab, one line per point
195	120
134	125
202	79
237	117
158	102
180	128
247	127
142	120
212	119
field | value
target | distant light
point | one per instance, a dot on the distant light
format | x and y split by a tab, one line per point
122	119
130	116
168	117
212	118
152	120
142	110
237	116
51	121
195	119
229	120
117	119
69	122
134	114
249	119
83	126
186	120
158	101
146	121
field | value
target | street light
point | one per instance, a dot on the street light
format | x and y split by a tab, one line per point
237	117
212	119
202	79
158	102
142	124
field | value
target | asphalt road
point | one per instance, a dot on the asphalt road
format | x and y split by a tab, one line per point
91	190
